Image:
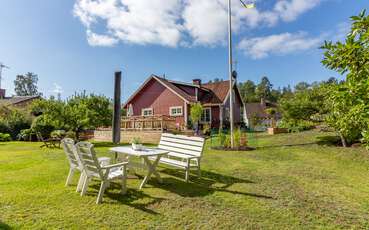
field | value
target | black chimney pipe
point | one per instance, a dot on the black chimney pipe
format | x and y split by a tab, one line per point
117	107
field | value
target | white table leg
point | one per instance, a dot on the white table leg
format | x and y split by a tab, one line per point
151	168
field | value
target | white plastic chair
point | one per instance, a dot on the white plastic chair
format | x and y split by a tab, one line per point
93	169
75	163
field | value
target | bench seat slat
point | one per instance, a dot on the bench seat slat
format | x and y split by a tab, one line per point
176	163
180	155
179	150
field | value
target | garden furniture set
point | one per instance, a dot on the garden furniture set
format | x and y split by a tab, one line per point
178	151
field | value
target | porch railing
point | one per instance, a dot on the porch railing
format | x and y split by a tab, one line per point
161	122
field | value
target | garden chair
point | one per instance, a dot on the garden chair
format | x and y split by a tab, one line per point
93	169
75	163
49	142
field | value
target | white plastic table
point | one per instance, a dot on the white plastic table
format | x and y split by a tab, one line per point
144	154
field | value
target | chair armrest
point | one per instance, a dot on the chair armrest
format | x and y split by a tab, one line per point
115	165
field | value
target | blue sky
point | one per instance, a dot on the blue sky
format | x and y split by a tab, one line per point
78	44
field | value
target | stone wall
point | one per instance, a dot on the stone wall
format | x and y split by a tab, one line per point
148	137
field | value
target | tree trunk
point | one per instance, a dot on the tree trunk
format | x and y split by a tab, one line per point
343	140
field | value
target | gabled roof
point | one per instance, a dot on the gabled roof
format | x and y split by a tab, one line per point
219	92
258	109
212	93
17	100
175	89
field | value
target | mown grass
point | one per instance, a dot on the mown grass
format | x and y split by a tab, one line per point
292	181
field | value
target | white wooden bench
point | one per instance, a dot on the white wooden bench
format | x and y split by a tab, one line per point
183	152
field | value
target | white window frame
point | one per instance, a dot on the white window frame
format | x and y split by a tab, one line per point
147	109
206	122
175	108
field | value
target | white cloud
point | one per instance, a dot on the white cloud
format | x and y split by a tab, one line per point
280	44
100	40
57	90
176	22
289	10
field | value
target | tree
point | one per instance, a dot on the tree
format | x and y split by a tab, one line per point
247	91
264	88
287	92
304	103
301	86
26	85
195	115
79	113
348	101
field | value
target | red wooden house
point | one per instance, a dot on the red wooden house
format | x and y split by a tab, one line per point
159	96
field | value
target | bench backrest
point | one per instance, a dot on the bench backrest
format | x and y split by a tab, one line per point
182	144
87	155
68	146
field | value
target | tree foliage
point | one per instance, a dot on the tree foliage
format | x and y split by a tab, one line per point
196	112
26	85
348	101
78	113
264	88
306	103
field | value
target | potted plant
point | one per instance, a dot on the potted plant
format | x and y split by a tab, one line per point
136	144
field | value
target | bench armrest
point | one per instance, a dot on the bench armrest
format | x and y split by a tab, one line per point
115	165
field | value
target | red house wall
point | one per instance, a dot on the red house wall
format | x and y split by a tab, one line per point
155	95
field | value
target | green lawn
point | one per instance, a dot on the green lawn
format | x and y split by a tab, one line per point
292	181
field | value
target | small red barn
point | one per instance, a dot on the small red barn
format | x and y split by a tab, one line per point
160	96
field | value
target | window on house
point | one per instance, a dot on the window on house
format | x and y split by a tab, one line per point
206	115
176	111
147	112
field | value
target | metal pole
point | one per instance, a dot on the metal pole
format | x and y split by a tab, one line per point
117	107
230	70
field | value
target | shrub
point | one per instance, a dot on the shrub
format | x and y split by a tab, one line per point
5	137
227	141
296	125
14	121
237	138
25	135
206	130
43	126
71	134
58	134
222	137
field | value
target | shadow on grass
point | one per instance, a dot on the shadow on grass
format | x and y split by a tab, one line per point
4	226
285	145
329	140
110	144
209	183
129	198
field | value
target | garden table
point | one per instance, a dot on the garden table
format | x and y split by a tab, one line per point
143	154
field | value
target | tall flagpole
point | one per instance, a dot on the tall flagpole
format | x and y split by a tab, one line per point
230	70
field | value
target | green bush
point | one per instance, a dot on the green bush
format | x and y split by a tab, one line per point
71	134
222	137
296	125
5	137
58	134
25	135
14	121
43	126
237	138
206	130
